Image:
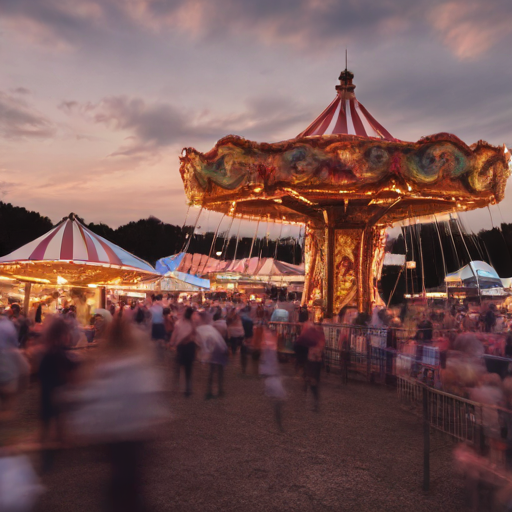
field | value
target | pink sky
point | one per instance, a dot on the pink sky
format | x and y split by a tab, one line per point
98	97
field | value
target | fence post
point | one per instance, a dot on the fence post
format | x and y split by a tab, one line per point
426	442
368	359
345	354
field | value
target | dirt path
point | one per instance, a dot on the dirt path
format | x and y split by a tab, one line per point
361	452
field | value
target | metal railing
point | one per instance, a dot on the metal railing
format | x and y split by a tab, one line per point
348	348
453	415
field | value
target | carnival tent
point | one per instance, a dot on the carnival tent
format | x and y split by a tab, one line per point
196	265
172	266
475	274
72	254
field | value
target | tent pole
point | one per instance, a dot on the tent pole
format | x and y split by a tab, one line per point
26	300
103	297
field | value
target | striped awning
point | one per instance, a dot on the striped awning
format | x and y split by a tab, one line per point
345	115
71	243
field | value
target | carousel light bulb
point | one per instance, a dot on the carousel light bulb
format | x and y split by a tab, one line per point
258	189
409	187
61	280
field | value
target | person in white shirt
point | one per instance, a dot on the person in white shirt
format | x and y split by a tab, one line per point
214	351
220	324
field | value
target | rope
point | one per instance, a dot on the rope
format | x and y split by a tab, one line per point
278	240
237	238
213	243
185	249
226	239
404	235
442	252
252	246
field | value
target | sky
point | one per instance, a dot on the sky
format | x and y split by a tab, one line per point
98	97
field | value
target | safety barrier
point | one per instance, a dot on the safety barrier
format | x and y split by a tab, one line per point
348	348
453	415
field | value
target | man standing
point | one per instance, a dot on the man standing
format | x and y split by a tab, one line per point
248	326
157	319
214	351
490	318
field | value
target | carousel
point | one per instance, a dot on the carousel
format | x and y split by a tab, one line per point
72	256
347	179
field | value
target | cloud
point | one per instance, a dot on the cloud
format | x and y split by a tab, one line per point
18	120
469	29
21	90
154	125
57	24
8	186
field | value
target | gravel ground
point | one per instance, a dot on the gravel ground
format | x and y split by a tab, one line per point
360	452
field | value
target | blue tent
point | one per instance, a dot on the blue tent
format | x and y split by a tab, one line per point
169	265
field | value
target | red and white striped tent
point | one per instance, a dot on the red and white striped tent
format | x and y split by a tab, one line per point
345	115
71	253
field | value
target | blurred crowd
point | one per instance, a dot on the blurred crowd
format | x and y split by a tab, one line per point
114	393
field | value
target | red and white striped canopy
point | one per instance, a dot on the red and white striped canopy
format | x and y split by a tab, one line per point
71	241
345	115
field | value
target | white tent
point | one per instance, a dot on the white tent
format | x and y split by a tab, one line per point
474	269
477	274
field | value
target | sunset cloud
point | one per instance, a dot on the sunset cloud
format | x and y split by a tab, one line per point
153	125
471	28
19	120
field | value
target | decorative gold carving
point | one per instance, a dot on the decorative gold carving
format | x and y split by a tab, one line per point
315	286
346	251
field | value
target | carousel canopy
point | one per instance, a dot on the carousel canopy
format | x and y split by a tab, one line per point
71	253
346	115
